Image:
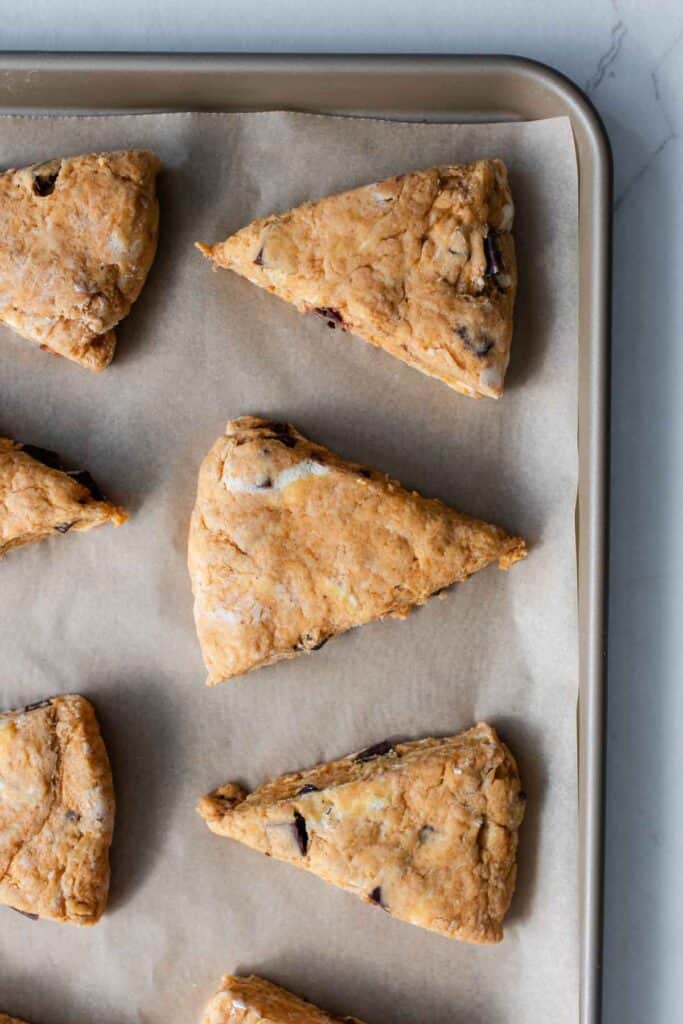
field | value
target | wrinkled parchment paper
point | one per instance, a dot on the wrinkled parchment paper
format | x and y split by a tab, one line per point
109	613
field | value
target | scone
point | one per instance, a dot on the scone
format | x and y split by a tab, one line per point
78	238
39	497
4	1019
421	265
257	1001
425	830
56	811
290	545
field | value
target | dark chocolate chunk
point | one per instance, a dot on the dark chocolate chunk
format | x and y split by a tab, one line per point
305	644
376	897
283	432
72	816
279	427
265	484
38	704
481	347
484	346
286	440
43	455
82	476
494	262
258	260
425	832
44	184
522	796
308	788
64	527
367	473
25	913
301	832
378	750
333	316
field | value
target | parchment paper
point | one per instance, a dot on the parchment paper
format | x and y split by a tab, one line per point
109	613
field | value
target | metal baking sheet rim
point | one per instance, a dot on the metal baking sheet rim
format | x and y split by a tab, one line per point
455	87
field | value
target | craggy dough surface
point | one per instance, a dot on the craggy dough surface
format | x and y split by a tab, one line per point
38	500
290	544
421	265
78	238
56	811
426	830
257	1001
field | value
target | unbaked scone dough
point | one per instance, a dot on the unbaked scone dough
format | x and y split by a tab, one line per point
78	238
39	497
421	265
257	1001
290	544
56	811
425	830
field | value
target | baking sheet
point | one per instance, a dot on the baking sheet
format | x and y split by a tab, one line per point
109	613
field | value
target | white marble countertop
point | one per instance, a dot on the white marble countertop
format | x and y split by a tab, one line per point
628	55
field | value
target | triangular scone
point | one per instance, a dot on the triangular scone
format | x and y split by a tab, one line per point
289	545
78	239
425	830
257	1001
39	497
56	811
422	265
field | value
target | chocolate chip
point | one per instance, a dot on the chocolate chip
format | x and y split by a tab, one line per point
305	643
283	433
301	832
376	897
367	473
378	750
38	704
308	788
265	484
494	262
82	477
481	347
333	316
258	260
43	455
64	527
25	913
522	796
425	832
484	346
72	816
44	184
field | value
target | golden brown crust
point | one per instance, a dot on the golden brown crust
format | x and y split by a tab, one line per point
422	265
254	1000
79	237
426	830
56	811
38	500
290	545
4	1019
